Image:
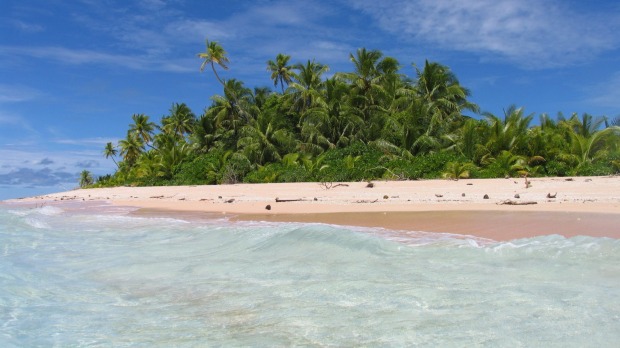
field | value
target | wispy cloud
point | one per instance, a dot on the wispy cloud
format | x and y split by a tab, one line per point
532	33
97	142
81	56
157	39
27	27
8	120
14	94
606	94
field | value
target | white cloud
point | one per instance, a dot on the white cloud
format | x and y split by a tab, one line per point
541	33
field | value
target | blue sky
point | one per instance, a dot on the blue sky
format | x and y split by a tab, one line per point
73	72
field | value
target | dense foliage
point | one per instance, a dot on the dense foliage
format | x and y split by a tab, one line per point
370	123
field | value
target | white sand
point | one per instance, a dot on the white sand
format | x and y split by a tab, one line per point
578	194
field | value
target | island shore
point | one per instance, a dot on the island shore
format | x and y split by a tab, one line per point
499	209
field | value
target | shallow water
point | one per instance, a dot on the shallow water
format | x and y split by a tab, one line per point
76	279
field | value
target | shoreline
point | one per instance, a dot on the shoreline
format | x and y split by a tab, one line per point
565	206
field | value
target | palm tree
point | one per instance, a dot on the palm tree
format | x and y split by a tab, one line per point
142	127
262	143
131	148
280	70
549	139
147	165
445	97
509	134
204	135
232	110
169	157
180	121
367	74
86	179
587	125
458	170
214	54
306	87
585	149
110	151
506	164
370	82
260	96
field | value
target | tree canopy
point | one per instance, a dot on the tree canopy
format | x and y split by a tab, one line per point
371	122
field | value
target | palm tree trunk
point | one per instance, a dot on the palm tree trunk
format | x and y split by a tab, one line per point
216	75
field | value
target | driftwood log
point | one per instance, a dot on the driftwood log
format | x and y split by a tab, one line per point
511	202
279	200
367	201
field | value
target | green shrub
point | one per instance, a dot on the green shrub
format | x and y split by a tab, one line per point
597	168
557	168
235	168
354	163
277	172
202	170
428	166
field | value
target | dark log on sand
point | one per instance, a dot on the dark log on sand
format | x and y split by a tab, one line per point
511	202
278	200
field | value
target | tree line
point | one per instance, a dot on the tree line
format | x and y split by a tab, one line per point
374	122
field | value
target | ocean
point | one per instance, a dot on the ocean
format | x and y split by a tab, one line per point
85	279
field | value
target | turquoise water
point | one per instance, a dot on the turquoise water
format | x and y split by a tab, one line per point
77	279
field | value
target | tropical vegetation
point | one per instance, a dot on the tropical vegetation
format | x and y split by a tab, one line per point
372	122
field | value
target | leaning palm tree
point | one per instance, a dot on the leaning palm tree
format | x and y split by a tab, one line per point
280	70
110	151
214	54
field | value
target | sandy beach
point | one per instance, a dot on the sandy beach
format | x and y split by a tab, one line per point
480	207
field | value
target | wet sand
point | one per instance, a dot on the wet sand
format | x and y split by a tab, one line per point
496	225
